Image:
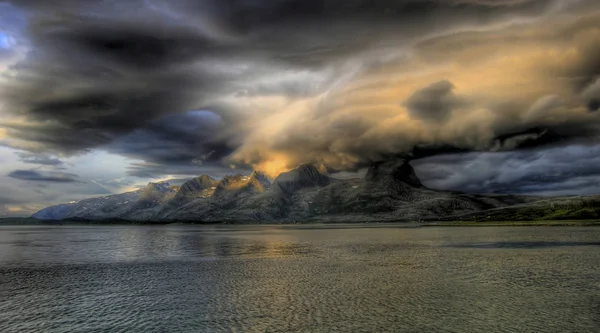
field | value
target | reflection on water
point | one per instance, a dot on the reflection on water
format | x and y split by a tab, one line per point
299	279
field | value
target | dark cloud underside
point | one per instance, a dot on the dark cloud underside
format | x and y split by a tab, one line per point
184	86
44	176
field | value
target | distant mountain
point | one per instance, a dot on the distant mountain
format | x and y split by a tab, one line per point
390	191
140	204
57	212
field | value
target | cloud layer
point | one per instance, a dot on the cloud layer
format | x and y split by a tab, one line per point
556	171
48	176
190	86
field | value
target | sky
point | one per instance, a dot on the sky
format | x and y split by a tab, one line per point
102	97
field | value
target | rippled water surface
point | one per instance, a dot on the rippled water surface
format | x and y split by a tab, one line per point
299	279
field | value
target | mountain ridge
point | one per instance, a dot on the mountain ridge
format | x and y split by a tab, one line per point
390	191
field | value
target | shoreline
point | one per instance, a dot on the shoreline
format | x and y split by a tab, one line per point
535	223
408	224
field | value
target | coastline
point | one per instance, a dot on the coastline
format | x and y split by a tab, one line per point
534	223
412	224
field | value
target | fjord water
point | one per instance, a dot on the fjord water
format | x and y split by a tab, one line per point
383	278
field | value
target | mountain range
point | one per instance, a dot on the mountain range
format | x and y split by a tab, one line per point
390	191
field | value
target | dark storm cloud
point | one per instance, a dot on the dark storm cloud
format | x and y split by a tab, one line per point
110	73
591	95
124	75
44	176
134	47
40	159
108	76
530	138
175	144
434	102
555	171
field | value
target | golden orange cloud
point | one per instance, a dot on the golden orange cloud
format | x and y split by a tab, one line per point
510	77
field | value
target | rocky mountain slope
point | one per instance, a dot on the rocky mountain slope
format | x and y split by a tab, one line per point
390	191
135	205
